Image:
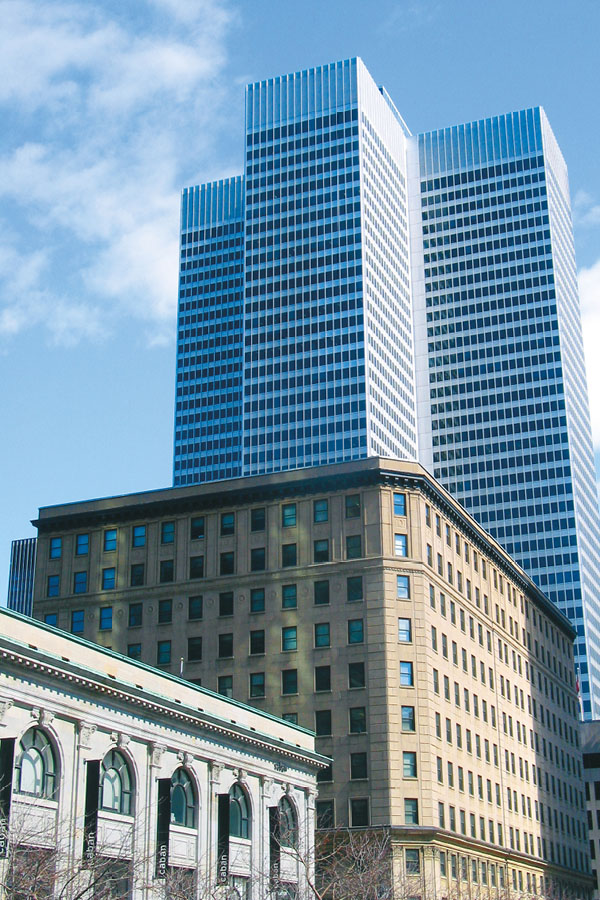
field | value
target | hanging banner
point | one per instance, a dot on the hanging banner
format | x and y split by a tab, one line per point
163	821
274	848
7	758
90	823
223	839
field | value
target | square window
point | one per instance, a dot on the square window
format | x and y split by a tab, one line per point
257	600
289	638
165	611
110	540
411	811
227	524
399	504
225	685
356	675
79	582
225	646
289	596
106	618
358	720
138	536
258	559
196	528
321	593
163	653
167	571
291	717
356	631
323	722
134	651
358	765
322	634
195	607
288	515
403	587
78	621
194	649
167	532
325	814
321	511
289	681
321	551
227	563
82	544
400	545
406	674
354	588
288	555
196	567
353	506
55	548
322	678
136	578
404	631
409	764
257	684
353	546
108	579
51	619
359	812
257	641
408	718
226	603
257	519
136	611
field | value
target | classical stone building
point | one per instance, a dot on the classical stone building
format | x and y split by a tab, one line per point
360	600
114	771
590	745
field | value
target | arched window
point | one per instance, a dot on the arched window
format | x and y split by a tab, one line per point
288	824
183	800
116	784
239	813
36	769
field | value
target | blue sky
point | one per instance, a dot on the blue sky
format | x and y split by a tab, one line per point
110	108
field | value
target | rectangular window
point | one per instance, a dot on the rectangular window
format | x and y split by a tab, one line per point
196	567
55	548
322	634
134	651
136	577
400	545
258	558
322	678
227	524
108	579
257	600
354	588
321	551
197	528
225	685
53	587
226	603
106	615
257	684
288	555
406	674
194	649
353	506
353	546
79	582
325	813
163	653
51	619
165	611
136	611
413	862
82	544
288	515
110	540
195	607
408	718
257	641
403	587
411	811
78	621
258	519
356	675
289	681
323	722
358	720
225	646
325	774
405	631
409	764
321	593
356	631
167	532
289	638
358	766
227	563
321	510
167	571
289	596
138	536
399	504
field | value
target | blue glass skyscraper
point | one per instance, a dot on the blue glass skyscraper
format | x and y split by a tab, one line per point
503	413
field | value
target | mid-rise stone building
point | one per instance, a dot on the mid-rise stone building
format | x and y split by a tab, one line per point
590	745
359	600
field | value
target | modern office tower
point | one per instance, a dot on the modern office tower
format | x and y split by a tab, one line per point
359	600
295	328
502	408
20	576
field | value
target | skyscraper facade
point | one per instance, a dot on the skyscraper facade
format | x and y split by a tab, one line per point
21	574
503	412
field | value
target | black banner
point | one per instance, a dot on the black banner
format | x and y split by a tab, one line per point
163	821
92	799
223	840
7	758
274	848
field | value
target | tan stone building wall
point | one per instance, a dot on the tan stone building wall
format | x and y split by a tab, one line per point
435	673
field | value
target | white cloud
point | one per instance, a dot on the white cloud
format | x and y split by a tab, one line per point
109	110
586	212
589	289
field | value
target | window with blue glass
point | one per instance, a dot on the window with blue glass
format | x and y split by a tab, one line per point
82	544
80	582
55	548
106	618
399	504
108	579
138	536
110	540
51	619
77	621
53	586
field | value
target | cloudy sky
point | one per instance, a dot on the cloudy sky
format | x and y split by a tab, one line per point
110	108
